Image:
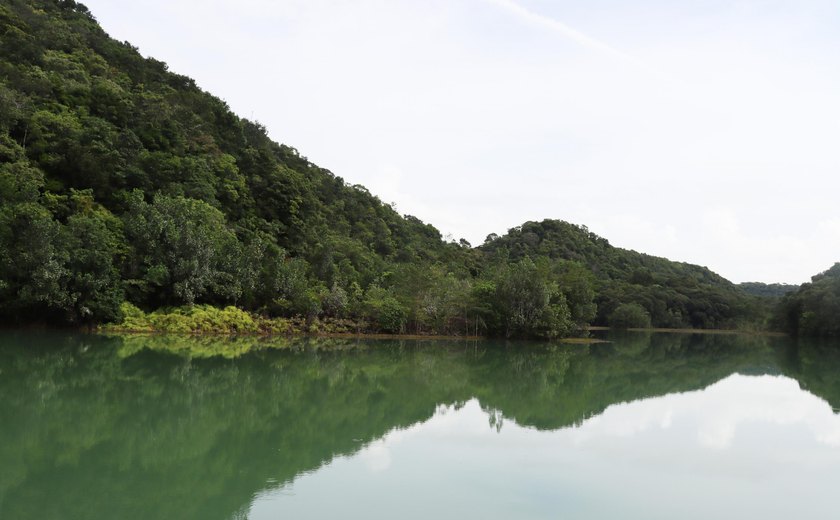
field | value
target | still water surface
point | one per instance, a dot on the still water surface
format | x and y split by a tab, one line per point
646	426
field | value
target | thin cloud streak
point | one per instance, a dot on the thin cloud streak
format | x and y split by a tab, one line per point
578	37
560	27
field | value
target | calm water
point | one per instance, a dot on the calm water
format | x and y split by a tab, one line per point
647	426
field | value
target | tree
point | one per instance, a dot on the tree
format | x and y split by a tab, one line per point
529	302
577	284
32	263
181	251
386	312
630	316
94	243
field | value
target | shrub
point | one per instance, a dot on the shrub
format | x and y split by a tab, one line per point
629	316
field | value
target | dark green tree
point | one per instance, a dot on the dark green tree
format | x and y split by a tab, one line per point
629	316
181	251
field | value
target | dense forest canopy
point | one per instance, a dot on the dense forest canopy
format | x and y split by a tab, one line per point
814	309
124	183
767	290
674	294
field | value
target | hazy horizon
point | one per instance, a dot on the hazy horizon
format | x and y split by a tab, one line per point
704	133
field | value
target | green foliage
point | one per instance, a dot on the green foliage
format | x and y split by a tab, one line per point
444	303
675	294
203	319
578	286
386	311
528	302
767	290
33	264
182	251
94	241
55	265
630	316
814	309
207	319
335	302
20	182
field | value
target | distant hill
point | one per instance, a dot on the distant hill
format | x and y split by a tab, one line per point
765	290
676	294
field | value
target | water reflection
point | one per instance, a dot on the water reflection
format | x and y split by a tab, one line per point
747	446
157	427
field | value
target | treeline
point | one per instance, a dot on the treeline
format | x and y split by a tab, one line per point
123	182
767	290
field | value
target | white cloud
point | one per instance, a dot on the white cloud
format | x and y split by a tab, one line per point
376	457
560	27
717	413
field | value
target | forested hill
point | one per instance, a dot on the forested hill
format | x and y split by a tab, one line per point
124	183
814	308
675	294
113	165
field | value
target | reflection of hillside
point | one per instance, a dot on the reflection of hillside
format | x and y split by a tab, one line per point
562	387
108	429
815	364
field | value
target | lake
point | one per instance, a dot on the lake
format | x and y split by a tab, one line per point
644	426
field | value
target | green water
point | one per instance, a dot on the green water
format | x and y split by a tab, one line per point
647	426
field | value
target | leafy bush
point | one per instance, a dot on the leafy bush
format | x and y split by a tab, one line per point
630	316
385	310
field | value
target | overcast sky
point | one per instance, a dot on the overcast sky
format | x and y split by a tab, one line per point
704	131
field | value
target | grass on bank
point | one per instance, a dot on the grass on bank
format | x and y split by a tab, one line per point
206	319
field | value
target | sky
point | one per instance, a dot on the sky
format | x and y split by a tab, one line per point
704	131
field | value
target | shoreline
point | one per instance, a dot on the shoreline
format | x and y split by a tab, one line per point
730	332
573	340
336	335
375	335
207	320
